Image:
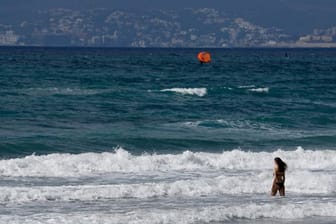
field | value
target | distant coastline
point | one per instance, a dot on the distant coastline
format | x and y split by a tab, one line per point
186	28
280	46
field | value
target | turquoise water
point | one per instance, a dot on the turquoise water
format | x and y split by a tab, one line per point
89	100
152	136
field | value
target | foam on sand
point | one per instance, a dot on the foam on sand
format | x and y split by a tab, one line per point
188	91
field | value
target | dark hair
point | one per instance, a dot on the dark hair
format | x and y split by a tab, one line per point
281	164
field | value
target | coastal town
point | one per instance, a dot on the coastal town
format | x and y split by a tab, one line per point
204	27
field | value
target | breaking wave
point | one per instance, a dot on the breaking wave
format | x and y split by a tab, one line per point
260	90
206	214
120	176
48	91
59	165
188	91
298	182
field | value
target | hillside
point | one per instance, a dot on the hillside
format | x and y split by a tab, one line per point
201	27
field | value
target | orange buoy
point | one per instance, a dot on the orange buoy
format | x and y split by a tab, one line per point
204	57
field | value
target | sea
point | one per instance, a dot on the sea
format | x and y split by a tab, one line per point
151	136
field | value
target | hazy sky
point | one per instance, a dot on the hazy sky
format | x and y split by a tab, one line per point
291	15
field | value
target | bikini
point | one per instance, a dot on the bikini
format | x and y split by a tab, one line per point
280	184
279	175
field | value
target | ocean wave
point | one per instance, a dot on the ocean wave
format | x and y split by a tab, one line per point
61	91
205	214
188	91
298	182
59	165
192	123
246	87
232	124
259	90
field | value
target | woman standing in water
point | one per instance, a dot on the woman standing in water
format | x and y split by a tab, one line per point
279	177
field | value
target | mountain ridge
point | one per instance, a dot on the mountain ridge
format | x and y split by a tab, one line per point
192	27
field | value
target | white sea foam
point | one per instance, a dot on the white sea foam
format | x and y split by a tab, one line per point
298	182
192	123
188	91
59	165
246	87
232	124
205	214
61	91
260	90
200	187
